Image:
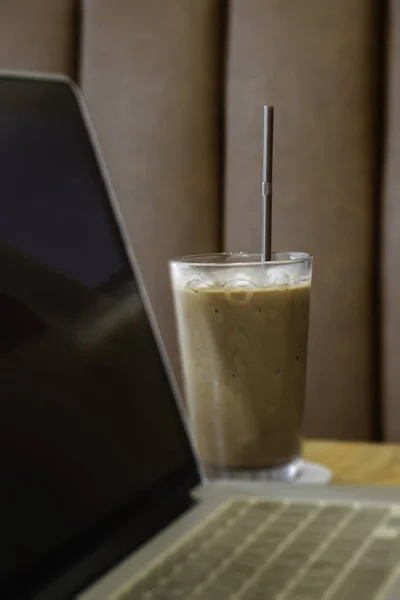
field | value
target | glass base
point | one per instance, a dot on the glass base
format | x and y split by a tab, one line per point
287	473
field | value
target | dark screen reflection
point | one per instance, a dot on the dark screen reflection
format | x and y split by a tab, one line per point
88	421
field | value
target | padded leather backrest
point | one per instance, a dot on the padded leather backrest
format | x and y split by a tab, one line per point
315	61
38	35
150	73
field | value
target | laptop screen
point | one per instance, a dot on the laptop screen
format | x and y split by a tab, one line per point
88	421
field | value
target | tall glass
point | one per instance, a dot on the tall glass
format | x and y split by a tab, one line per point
243	332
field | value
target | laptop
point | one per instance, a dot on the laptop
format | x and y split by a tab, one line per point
102	495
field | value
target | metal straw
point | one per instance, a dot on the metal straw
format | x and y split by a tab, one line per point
266	190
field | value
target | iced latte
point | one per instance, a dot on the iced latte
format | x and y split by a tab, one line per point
243	329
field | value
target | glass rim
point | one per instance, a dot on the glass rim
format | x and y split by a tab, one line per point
206	260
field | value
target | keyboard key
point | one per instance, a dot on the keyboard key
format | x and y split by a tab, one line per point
373	515
307	595
267	589
278	574
265	507
394	522
209	594
324	569
347	546
311	585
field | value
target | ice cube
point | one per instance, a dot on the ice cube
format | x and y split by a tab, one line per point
294	279
238	284
239	290
277	276
285	275
197	283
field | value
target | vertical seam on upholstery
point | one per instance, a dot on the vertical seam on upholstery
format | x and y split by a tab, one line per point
77	41
223	28
379	27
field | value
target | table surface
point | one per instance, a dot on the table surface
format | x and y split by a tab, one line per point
357	463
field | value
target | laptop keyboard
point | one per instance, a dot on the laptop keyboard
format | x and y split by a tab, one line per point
254	549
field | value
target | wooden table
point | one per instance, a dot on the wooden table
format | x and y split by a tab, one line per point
368	464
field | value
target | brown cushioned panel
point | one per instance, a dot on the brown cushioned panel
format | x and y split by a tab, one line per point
313	60
391	237
150	73
38	35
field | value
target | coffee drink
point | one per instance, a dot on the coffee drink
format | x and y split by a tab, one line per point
244	358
